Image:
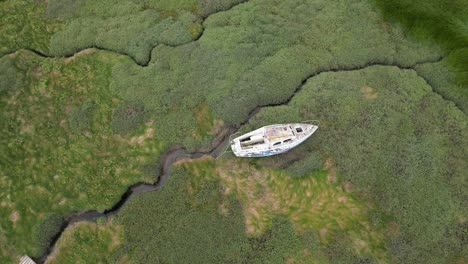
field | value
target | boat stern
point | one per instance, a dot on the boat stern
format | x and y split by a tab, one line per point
235	147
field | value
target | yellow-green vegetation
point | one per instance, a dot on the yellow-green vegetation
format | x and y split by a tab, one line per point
98	243
23	24
316	202
59	153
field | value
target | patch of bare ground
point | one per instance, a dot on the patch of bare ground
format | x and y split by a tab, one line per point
363	246
13	55
393	229
223	210
323	234
218	125
14	217
369	93
461	219
331	176
79	54
147	134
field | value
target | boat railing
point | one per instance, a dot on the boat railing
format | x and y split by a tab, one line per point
311	122
227	145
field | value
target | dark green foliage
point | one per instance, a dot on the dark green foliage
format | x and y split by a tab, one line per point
310	163
127	117
81	118
276	244
48	229
405	148
131	27
207	196
443	21
10	77
455	237
137	38
457	60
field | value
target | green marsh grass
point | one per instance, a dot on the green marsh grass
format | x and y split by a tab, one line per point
389	135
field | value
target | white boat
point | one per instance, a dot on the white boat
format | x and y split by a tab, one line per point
272	139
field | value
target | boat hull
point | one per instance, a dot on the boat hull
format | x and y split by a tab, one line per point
271	140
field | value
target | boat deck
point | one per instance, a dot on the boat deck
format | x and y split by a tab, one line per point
278	132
